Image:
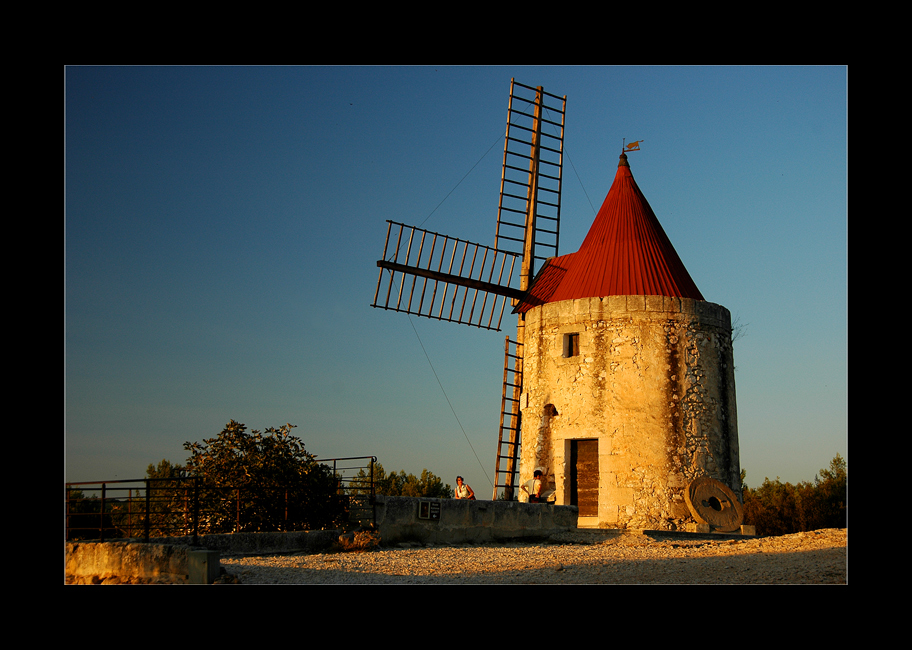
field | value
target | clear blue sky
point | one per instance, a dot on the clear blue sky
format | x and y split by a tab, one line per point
223	224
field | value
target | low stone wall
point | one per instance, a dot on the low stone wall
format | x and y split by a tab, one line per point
400	519
126	562
451	521
173	560
312	541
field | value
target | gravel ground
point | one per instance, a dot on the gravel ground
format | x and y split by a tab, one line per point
818	557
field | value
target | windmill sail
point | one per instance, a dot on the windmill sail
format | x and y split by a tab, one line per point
530	189
436	276
505	468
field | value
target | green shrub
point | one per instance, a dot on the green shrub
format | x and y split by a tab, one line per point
777	508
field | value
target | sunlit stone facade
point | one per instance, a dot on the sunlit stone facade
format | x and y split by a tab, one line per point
642	386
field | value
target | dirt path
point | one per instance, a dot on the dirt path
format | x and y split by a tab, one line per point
818	557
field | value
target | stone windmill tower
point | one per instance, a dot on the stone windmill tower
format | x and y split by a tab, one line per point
628	379
620	379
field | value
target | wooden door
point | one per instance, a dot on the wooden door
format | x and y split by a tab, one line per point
584	476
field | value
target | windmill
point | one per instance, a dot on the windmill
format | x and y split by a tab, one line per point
436	276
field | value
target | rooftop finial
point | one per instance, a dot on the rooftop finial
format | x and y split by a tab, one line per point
623	162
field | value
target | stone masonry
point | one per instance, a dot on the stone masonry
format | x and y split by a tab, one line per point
653	383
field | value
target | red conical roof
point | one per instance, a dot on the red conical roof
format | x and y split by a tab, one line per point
626	253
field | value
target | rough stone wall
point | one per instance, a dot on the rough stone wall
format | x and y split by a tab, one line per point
653	382
168	560
464	521
126	562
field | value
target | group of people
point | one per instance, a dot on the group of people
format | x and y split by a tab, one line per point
464	491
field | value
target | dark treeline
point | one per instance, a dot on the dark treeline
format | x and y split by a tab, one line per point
239	481
253	481
777	508
403	485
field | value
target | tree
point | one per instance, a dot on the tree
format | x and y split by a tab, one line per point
164	470
262	481
403	485
168	499
777	508
85	519
832	493
772	508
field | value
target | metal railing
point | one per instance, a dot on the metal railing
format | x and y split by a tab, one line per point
358	487
186	506
349	482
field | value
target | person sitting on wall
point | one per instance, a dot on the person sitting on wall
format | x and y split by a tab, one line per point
463	491
538	484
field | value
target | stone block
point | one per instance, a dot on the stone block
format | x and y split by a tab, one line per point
203	567
617	304
126	561
636	303
580	308
655	303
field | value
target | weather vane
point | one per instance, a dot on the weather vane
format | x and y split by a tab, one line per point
633	146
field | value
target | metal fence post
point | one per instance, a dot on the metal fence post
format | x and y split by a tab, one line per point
101	515
67	513
196	510
148	517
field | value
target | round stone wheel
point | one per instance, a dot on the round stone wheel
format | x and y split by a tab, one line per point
712	502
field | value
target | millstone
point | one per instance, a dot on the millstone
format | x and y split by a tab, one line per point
712	502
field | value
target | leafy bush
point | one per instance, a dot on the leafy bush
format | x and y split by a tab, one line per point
777	508
262	482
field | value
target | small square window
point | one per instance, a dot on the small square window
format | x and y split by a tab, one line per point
571	345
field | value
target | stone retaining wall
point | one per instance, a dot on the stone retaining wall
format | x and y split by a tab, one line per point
460	521
174	560
126	562
399	519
